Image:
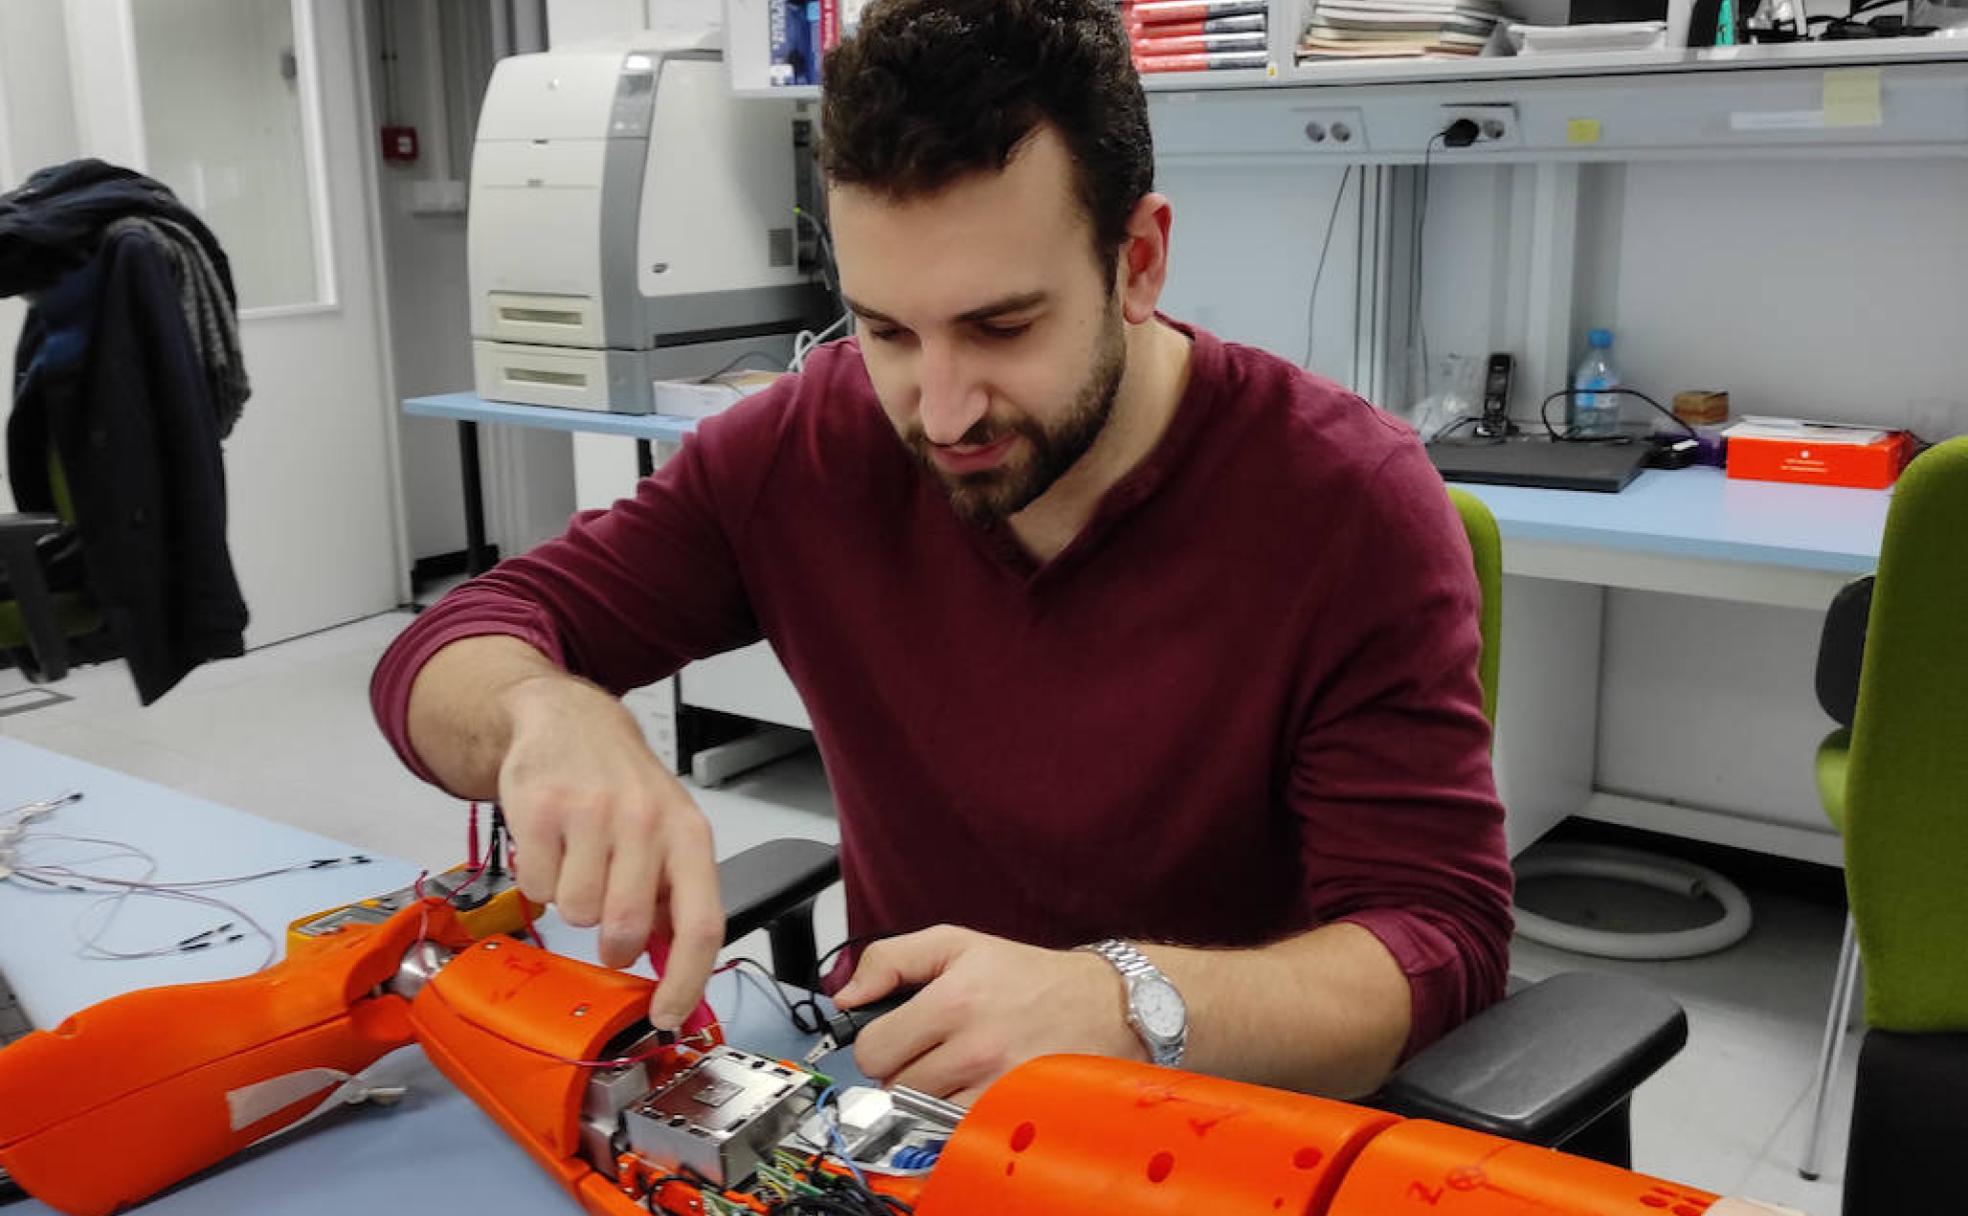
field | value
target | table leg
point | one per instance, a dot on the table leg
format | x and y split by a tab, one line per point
477	560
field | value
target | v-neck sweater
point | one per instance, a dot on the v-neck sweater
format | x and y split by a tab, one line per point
1241	703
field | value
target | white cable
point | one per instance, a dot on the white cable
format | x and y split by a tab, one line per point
808	341
1627	865
93	925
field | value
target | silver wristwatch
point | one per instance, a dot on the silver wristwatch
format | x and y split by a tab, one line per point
1154	1008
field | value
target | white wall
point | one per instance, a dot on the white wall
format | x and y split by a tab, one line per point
1826	288
1832	290
575	20
1242	250
37	128
424	261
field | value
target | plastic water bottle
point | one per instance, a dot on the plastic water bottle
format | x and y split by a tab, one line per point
1595	412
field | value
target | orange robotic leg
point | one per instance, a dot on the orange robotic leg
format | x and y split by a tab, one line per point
1075	1134
131	1095
1422	1167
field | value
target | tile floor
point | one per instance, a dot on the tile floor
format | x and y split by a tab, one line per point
285	733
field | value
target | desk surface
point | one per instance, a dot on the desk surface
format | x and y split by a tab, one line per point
1699	513
470	407
1686	513
434	1151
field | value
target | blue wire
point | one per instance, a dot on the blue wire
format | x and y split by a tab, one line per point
834	1132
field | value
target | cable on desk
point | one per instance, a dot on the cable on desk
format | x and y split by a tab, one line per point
1570	435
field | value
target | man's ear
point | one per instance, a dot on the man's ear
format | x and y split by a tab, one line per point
1143	267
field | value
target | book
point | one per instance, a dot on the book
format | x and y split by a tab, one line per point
790	30
1151	12
1321	36
1436	8
1309	52
1206	61
1185	44
1243	23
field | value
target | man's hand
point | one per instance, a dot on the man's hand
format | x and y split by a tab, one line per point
986	1005
608	836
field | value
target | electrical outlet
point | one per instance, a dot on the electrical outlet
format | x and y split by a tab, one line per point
1333	128
1496	125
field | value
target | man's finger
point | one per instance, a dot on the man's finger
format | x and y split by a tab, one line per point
892	1043
697	922
583	878
628	909
913	958
949	1069
536	857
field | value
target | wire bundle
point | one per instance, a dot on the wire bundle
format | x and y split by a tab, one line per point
22	861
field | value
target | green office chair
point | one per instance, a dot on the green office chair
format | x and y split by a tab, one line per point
48	619
1895	785
1486	547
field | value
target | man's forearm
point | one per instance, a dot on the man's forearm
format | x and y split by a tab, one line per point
1325	1012
460	715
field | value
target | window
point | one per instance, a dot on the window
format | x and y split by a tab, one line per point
225	110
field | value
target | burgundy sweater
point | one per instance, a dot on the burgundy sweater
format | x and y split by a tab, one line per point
1243	702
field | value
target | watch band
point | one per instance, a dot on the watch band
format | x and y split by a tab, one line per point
1126	959
1135	967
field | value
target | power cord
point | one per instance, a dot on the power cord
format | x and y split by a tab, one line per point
1325	246
1570	433
1459	134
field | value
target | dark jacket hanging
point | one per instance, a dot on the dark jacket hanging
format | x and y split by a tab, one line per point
107	368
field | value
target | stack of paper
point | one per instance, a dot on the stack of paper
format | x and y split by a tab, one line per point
1370	29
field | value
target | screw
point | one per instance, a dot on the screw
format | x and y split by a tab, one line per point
580	1011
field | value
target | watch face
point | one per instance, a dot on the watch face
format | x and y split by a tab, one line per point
1158	1007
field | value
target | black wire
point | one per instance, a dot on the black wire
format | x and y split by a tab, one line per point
1458	424
1570	434
1325	246
791	1007
771	360
1417	330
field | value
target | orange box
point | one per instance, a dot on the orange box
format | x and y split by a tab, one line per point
1818	461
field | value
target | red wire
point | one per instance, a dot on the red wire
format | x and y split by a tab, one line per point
471	837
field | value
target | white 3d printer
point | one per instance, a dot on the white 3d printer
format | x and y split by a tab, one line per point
630	221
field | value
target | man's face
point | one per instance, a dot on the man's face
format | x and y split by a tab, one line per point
988	328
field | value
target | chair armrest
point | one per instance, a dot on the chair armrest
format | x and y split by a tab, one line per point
1543	1064
772	886
25	528
20	561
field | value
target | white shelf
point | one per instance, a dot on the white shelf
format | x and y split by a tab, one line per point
1635	105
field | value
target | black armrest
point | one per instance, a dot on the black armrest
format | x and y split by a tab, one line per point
1546	1063
20	561
772	887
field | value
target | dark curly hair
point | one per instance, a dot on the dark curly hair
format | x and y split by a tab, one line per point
930	91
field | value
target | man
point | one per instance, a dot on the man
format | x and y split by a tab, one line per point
1134	638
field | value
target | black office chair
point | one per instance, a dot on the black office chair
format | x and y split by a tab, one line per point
49	621
1554	1065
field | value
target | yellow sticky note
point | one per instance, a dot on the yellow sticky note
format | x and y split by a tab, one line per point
1582	131
1851	98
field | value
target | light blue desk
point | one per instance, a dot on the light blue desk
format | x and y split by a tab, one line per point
1688	532
432	1152
470	409
1695	532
